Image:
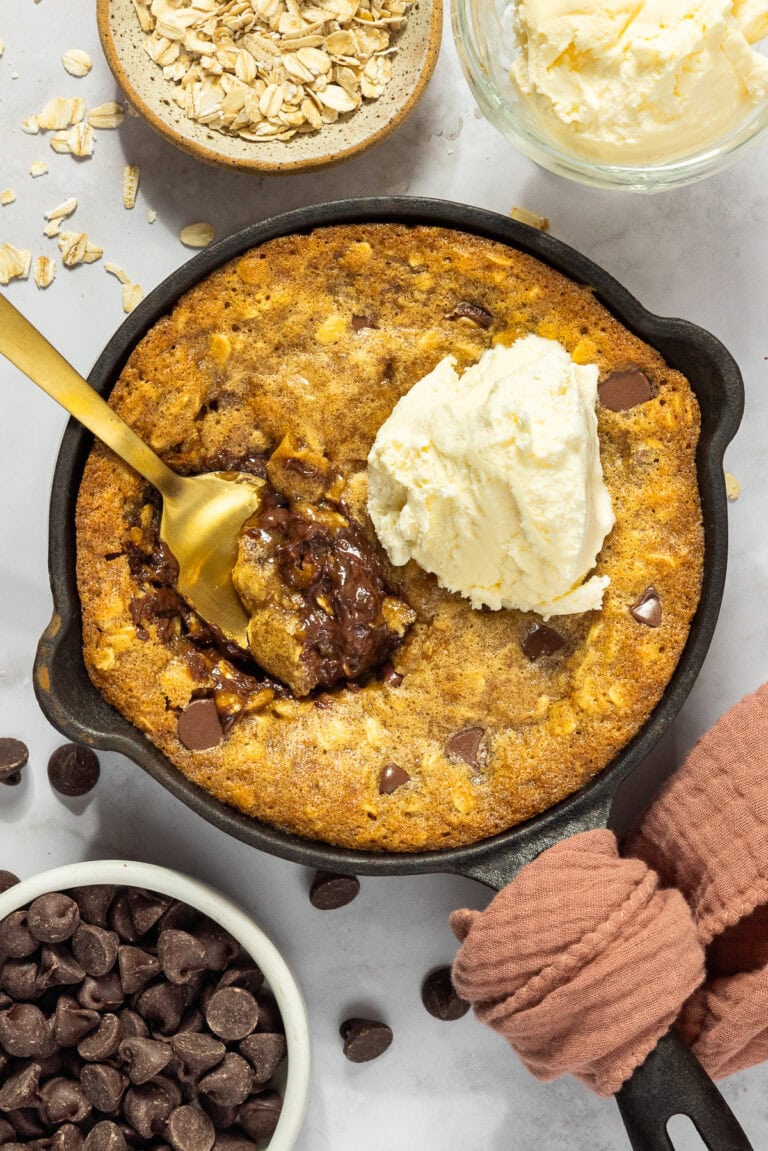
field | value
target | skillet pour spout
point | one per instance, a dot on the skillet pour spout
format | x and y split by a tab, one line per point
74	706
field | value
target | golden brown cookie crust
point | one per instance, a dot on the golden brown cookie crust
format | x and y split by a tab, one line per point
278	342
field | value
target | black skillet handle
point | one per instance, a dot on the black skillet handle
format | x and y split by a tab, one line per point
673	1082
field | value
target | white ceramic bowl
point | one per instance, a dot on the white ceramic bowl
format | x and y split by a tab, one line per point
233	919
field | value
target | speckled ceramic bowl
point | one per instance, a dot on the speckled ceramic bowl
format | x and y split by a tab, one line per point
150	94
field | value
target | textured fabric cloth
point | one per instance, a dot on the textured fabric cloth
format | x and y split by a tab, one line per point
707	834
586	958
582	962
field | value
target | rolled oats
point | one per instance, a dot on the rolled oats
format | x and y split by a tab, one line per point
14	263
132	297
30	125
60	113
76	248
63	210
7	196
116	270
109	115
151	215
131	177
77	62
197	235
38	168
45	271
266	69
533	219
77	140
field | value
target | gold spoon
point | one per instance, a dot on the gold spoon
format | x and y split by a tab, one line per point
202	515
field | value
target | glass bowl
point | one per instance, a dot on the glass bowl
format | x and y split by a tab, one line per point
483	30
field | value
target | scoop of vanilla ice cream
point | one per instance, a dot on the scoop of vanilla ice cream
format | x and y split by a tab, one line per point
492	480
640	81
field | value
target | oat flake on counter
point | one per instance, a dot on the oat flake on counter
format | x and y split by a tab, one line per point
267	69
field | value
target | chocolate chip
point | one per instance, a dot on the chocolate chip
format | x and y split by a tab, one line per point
120	920
95	949
26	1123
330	891
245	975
647	610
622	390
13	757
16	940
171	1088
540	640
222	1117
259	1116
132	1025
270	1018
145	1058
228	1084
94	902
73	770
441	998
54	917
23	1030
102	1043
467	745
199	726
191	1022
178	917
147	1109
103	1086
63	1101
102	994
390	677
196	1054
20	1089
221	948
162	1005
8	880
232	1013
6	1132
71	1022
466	311
21	979
137	968
265	1052
190	1129
146	908
391	778
58	966
232	1141
364	1039
105	1136
360	322
181	955
67	1138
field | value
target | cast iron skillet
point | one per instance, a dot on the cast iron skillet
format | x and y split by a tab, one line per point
670	1081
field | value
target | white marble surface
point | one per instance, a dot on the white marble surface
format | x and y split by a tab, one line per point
701	253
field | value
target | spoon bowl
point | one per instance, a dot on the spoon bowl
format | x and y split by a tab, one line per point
202	515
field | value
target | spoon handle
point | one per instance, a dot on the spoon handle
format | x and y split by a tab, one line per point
28	349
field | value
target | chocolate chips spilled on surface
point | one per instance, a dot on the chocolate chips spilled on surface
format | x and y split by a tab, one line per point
647	610
541	640
365	1039
392	776
329	890
441	998
13	757
199	727
467	745
623	390
103	1059
73	770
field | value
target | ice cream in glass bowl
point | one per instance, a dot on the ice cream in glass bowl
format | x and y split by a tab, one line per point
636	94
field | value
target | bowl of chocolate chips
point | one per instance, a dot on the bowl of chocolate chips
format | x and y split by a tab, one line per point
141	1008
